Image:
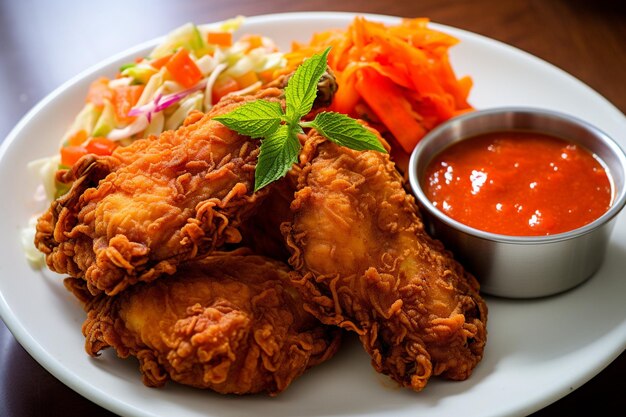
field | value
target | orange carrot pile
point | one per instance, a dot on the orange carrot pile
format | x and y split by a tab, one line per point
398	78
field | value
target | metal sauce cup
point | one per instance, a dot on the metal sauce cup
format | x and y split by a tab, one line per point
523	266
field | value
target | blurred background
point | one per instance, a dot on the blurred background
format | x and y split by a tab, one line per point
45	43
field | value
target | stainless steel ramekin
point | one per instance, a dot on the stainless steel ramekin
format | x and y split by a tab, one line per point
520	266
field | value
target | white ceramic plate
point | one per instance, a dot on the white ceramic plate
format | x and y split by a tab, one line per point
538	351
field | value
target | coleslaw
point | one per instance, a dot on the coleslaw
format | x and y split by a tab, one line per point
191	69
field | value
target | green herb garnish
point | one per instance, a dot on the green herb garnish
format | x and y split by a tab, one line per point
280	145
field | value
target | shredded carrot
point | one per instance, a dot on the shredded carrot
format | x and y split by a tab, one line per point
401	74
395	111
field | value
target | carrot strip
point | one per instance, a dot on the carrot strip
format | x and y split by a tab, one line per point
409	69
346	97
388	102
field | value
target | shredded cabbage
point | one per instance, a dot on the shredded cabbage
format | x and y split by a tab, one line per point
208	96
215	62
249	89
138	125
164	103
45	169
194	101
156	125
27	236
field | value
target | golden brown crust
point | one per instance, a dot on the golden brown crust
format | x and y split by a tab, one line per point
135	215
261	232
231	323
366	264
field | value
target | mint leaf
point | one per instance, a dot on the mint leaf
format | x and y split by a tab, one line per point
256	119
280	145
345	131
301	89
278	153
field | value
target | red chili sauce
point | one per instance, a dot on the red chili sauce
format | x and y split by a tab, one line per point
518	183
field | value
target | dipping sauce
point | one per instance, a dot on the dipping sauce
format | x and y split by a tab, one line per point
518	183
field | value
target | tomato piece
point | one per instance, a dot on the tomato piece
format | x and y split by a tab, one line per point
71	154
100	146
183	69
99	91
224	39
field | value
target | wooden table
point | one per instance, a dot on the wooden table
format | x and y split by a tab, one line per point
42	44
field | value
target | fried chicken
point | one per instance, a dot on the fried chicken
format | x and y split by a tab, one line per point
231	323
261	232
136	214
366	264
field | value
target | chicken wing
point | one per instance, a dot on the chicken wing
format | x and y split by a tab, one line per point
366	264
138	213
231	323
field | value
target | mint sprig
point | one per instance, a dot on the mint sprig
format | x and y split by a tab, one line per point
280	145
345	131
257	119
279	151
301	89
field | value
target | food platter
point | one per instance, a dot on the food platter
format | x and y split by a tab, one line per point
538	350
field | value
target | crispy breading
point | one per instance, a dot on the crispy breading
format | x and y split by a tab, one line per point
231	323
261	232
366	264
136	214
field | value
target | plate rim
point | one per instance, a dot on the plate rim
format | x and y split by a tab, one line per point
91	391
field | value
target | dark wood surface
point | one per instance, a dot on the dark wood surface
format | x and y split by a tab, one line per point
44	43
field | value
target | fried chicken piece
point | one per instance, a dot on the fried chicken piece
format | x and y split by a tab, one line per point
136	214
366	264
261	232
231	323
